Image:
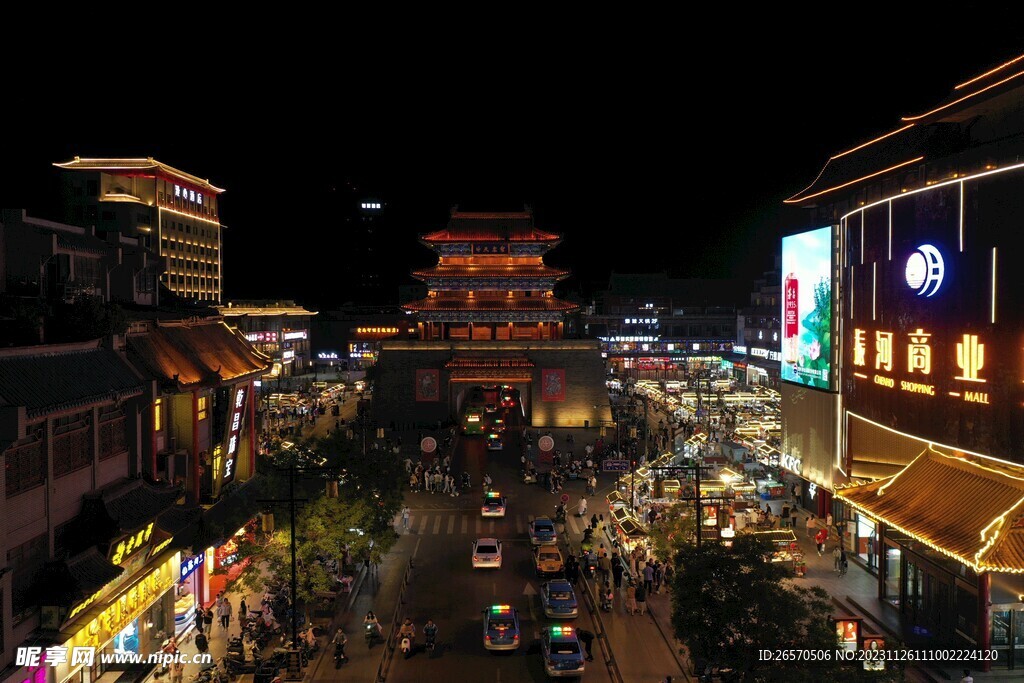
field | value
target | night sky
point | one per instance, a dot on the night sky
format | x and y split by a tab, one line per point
648	158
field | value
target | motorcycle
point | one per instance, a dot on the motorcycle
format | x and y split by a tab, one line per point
606	603
589	564
406	646
560	513
339	655
370	633
431	639
465	480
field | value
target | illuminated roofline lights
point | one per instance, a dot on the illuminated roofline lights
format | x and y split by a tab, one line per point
963	178
989	72
188	215
871	142
794	200
100	164
965	97
929	443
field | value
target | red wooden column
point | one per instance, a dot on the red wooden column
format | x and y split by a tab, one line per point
252	428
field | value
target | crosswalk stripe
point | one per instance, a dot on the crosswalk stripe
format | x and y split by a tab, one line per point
490	527
451	523
423	524
437	524
572	523
479	526
520	527
465	524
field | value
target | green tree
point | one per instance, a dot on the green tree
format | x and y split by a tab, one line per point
674	530
729	603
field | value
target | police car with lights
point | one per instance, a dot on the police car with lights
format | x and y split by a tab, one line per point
563	655
501	627
494	505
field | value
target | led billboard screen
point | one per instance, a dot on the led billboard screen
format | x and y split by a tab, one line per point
807	308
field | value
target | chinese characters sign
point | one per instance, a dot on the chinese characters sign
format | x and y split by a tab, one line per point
490	248
266	337
807	308
234	433
188	195
191	564
130	545
958	370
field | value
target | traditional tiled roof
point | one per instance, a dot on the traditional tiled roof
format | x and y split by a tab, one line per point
130	166
133	503
47	379
91	571
195	353
177	517
514	226
516	271
502	304
971	509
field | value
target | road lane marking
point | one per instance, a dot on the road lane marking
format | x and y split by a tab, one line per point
572	523
437	524
490	527
451	524
465	524
423	525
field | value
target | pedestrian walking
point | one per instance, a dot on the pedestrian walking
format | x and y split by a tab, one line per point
208	619
967	677
405	517
604	563
202	643
631	598
617	571
200	619
588	640
641	599
811	524
581	507
224	612
843	562
784	517
836	555
177	672
820	539
593	522
648	577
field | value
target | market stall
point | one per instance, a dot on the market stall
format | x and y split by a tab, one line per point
786	549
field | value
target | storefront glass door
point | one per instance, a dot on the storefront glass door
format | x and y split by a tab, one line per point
893	575
1008	636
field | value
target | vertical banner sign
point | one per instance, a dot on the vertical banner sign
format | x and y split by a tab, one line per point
552	384
234	434
428	385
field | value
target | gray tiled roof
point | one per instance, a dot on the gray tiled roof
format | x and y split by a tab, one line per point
92	571
51	381
136	503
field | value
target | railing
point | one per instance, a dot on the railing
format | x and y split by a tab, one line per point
602	636
392	632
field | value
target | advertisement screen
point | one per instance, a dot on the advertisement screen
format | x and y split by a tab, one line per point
807	308
933	326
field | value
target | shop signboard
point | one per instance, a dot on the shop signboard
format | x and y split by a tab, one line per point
234	433
293	335
428	444
190	564
615	466
807	308
262	337
131	545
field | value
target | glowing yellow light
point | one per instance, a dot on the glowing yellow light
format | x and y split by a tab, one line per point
794	199
989	72
188	215
871	142
965	97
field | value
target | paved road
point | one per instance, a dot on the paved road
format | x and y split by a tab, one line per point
447	589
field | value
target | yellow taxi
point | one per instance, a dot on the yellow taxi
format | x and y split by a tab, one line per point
549	561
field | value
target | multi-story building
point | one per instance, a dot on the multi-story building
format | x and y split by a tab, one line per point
490	316
903	314
757	350
278	329
80	527
173	213
59	262
346	339
651	324
490	281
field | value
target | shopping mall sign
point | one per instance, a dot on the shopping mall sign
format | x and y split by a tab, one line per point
907	363
793	464
234	434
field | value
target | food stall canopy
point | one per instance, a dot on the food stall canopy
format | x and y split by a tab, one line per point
631	527
670	486
615	497
777	536
620	515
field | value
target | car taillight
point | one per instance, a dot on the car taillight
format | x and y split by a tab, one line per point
487	637
515	637
476	559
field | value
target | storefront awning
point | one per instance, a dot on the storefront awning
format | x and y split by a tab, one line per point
968	508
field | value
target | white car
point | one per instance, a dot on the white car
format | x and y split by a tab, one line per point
487	553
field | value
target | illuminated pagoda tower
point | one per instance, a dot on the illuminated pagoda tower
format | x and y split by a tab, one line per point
490	281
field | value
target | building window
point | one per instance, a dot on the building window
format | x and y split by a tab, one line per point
24	561
202	407
72	451
25	467
113	434
158	415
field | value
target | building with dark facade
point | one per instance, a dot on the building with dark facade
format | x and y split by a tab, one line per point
652	324
757	352
915	416
491	317
346	339
280	330
59	262
172	213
